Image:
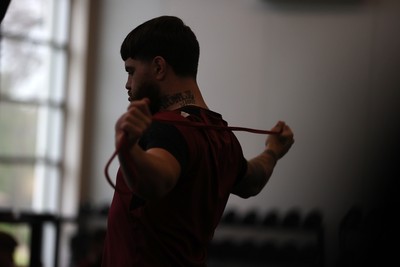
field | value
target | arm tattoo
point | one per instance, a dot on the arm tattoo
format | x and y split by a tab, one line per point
182	98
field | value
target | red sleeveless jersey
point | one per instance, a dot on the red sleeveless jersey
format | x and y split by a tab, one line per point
177	229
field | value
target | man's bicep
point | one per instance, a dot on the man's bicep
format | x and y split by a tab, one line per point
163	171
167	161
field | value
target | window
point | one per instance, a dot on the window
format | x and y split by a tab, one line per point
33	69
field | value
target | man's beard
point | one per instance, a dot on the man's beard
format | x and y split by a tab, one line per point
152	92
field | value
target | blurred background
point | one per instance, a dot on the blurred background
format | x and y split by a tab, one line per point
329	68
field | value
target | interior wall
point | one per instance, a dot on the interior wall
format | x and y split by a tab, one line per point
329	69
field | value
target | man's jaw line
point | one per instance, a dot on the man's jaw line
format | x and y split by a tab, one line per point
171	101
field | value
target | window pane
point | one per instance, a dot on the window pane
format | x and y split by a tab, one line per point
24	70
29	18
58	75
61	21
16	184
30	131
29	187
46	189
48	142
18	128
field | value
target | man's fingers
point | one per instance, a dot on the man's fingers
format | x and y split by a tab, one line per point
142	105
287	136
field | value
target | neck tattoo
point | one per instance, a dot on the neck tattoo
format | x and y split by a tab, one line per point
181	99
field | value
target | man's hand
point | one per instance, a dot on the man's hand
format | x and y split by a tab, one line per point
279	144
134	122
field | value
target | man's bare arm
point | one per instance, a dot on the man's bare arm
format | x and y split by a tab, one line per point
152	173
260	168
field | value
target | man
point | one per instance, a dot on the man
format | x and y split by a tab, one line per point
174	180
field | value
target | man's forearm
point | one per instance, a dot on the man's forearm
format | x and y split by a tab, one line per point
262	167
259	170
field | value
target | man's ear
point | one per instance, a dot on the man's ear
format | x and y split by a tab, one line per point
159	67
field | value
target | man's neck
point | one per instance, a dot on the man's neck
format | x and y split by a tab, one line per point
177	100
180	92
183	98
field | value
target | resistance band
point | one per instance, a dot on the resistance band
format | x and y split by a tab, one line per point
187	124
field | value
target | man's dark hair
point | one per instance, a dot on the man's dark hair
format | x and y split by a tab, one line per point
168	37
